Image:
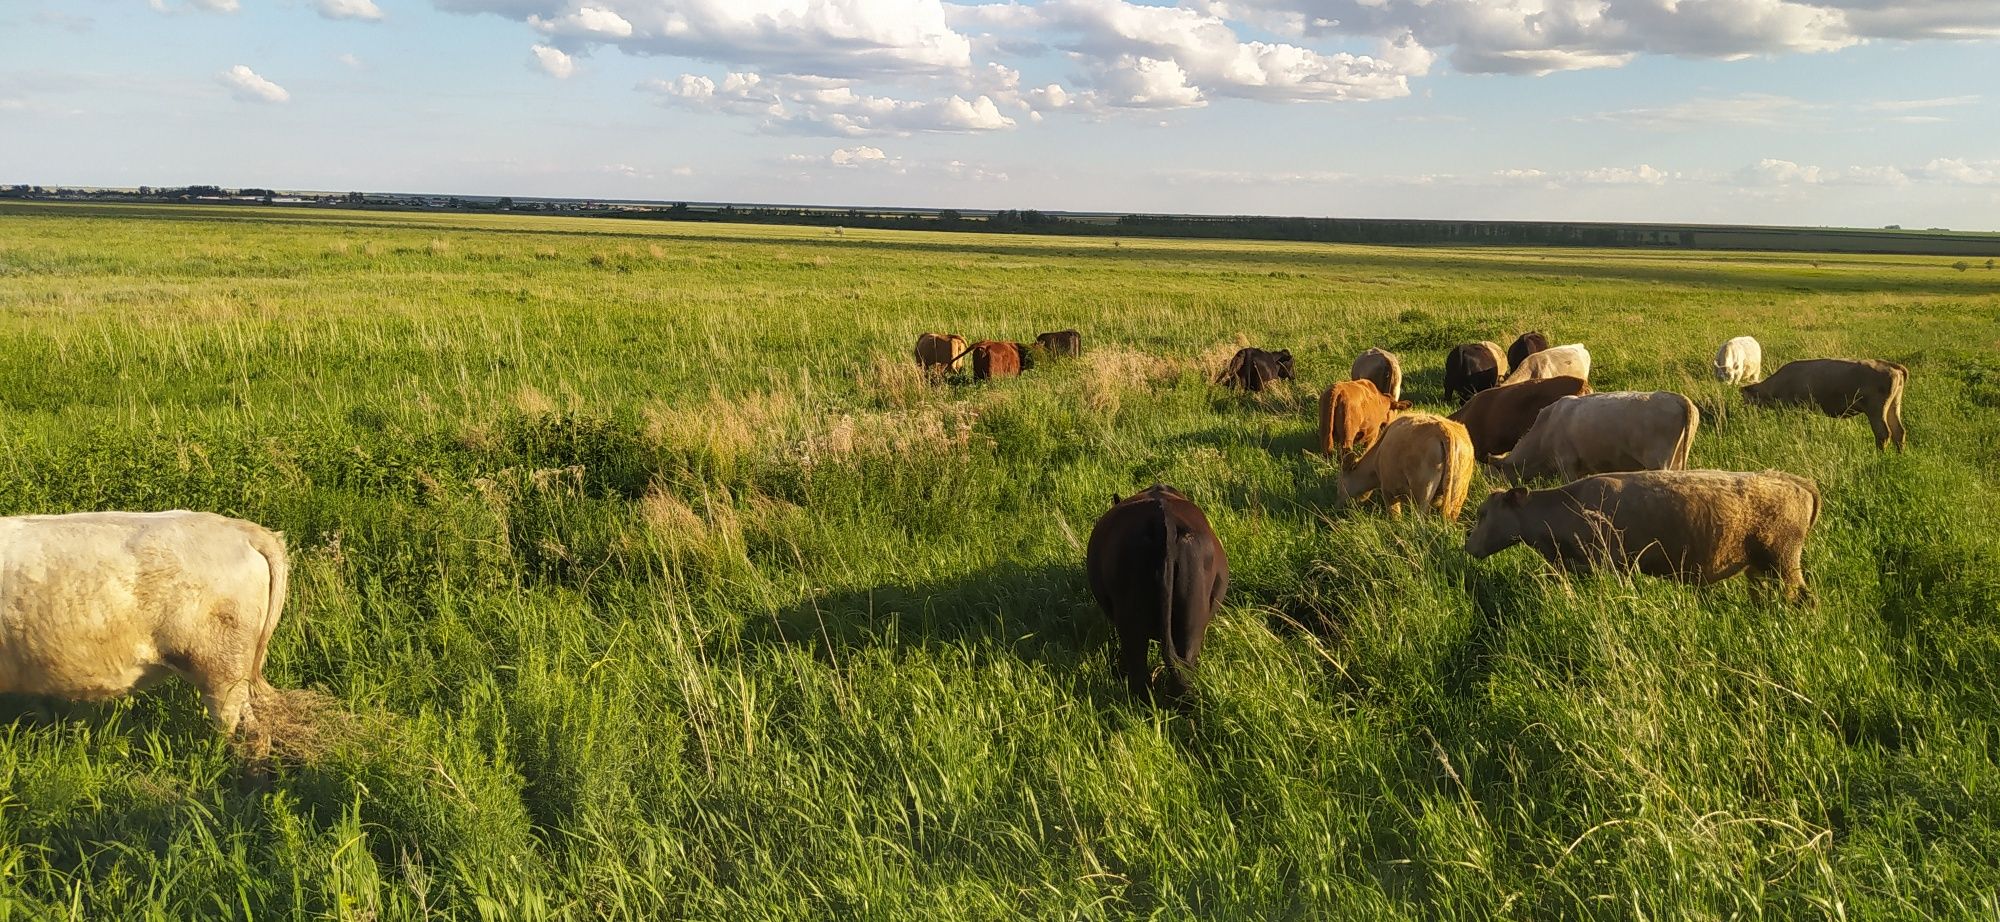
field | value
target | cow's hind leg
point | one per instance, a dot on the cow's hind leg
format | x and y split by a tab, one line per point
1878	420
1129	659
1893	415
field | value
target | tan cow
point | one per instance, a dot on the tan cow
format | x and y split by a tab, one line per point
1841	388
1498	417
1739	361
1422	458
1351	415
940	352
96	604
1572	360
1602	433
1699	527
1381	368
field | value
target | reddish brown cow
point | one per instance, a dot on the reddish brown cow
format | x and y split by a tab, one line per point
1158	571
1351	417
992	358
1497	418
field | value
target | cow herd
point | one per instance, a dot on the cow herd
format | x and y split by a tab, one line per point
1628	501
93	605
941	353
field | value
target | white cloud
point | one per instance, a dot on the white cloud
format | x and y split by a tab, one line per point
348	58
1540	36
1754	110
804	105
364	10
247	86
1964	172
211	6
867	159
847	38
1906	105
553	62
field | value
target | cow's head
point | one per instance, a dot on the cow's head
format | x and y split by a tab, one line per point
1753	393
1500	523
1284	358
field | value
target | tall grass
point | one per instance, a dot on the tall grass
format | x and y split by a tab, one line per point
666	589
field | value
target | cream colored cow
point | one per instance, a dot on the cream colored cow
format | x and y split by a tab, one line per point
97	604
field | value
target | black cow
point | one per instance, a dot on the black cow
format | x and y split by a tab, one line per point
1061	342
1525	345
1252	369
1472	368
1159	573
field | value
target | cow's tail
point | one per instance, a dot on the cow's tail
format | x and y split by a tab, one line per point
955	358
1457	475
271	544
1169	649
1685	444
1326	422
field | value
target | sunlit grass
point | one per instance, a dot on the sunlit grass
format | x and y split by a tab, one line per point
667	588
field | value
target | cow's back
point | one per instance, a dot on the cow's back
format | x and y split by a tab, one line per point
1496	418
1572	360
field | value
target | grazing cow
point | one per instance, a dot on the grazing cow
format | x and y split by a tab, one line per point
1525	345
1422	458
940	352
1841	388
1698	527
1497	418
1381	368
1157	570
1061	342
1604	433
96	604
995	359
1572	359
1471	368
1739	361
1253	369
1351	416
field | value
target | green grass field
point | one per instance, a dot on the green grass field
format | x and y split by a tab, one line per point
660	585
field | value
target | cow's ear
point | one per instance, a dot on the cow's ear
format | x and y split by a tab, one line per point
1401	405
1517	496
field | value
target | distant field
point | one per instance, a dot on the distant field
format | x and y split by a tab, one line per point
663	587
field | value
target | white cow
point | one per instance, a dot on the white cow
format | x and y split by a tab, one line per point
1739	361
1572	360
96	604
1603	433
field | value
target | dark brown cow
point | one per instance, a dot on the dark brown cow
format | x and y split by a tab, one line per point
1253	369
1525	345
1497	418
1351	417
1061	342
1472	368
1841	388
995	359
1159	573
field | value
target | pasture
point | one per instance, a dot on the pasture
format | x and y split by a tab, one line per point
661	585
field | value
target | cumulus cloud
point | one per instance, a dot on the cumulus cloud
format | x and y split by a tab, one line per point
849	38
246	85
364	10
350	59
553	61
1963	172
1541	36
868	159
804	105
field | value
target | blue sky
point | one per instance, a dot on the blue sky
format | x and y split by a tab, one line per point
1844	112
